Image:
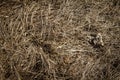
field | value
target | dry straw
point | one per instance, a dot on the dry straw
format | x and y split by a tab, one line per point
54	40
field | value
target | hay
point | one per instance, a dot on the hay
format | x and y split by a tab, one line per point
50	40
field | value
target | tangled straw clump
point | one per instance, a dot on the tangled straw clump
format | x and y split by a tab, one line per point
53	40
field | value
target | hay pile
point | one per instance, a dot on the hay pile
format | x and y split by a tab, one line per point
60	40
